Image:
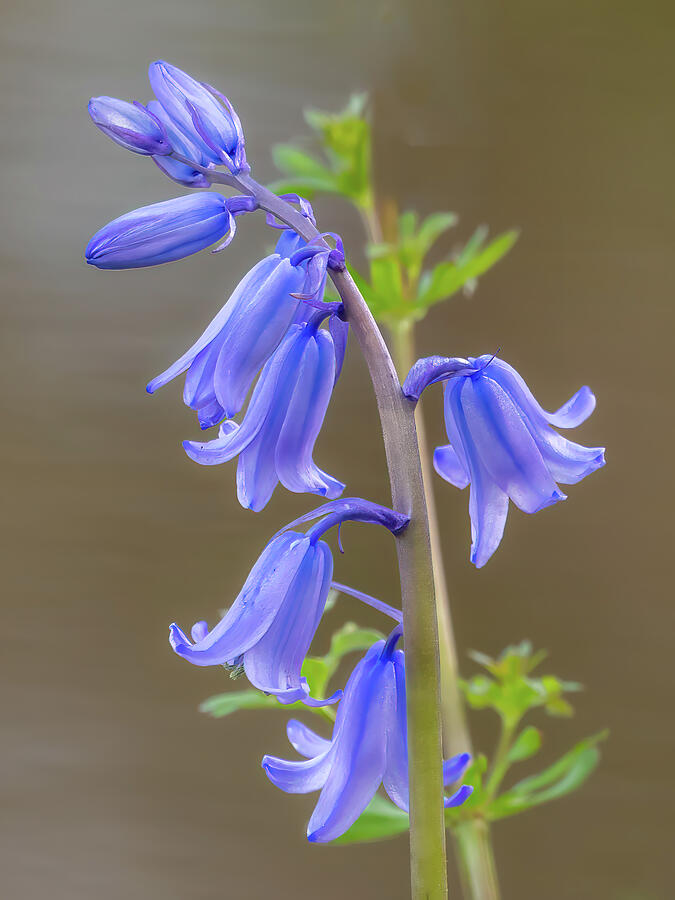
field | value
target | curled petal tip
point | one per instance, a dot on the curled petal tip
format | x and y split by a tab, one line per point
432	369
329	701
459	797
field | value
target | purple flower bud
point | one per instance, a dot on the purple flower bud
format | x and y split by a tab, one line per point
184	146
201	114
130	125
369	747
160	233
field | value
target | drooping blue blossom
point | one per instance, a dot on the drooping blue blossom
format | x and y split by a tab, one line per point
270	626
223	362
162	232
130	125
275	440
368	748
202	114
502	442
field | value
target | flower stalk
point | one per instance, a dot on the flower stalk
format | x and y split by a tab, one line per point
397	415
394	718
472	841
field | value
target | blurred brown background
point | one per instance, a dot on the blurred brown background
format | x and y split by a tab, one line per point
555	117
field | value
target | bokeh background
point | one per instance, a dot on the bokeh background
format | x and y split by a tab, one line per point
554	117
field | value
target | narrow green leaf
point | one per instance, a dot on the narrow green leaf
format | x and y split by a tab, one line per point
351	638
407	224
563	777
376	304
433	227
385	274
364	286
482	659
379	820
448	277
306	187
525	745
473	245
376	251
295	162
221	705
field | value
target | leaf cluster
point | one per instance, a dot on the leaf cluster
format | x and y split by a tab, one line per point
401	289
343	164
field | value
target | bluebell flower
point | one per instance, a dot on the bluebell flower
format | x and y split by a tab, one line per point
276	437
200	113
130	125
181	173
223	362
270	626
502	442
161	233
368	748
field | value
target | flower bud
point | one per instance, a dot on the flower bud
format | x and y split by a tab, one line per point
201	114
130	125
160	233
184	146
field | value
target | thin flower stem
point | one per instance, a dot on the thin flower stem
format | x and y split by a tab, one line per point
500	759
473	846
394	614
456	736
427	832
477	872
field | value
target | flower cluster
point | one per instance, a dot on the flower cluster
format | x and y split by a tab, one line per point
268	344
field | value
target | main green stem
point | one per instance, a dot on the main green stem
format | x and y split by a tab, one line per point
397	415
473	846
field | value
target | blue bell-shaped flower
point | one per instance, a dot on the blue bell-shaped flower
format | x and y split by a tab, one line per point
223	362
369	747
502	442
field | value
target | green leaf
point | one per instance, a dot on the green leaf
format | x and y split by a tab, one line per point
563	777
378	305
221	705
448	277
379	820
433	227
473	245
317	674
299	164
351	638
385	275
407	225
525	745
512	690
362	284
